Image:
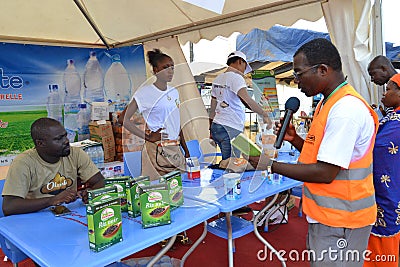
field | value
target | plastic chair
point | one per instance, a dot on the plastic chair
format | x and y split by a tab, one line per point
240	227
133	163
12	252
195	151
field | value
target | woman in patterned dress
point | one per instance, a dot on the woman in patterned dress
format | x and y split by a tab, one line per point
385	234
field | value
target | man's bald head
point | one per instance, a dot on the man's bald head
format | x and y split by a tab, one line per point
381	70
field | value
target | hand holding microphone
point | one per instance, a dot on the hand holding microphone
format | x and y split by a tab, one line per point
291	106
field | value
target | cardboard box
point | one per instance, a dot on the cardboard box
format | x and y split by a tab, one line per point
99	111
101	131
154	205
100	194
174	187
133	194
111	169
126	141
120	183
104	223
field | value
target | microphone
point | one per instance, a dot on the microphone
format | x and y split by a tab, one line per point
291	106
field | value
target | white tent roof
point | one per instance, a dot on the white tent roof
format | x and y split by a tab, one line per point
113	23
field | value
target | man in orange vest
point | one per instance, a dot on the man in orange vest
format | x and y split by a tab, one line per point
335	162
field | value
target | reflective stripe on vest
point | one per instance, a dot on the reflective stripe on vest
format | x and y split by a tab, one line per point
341	204
354	174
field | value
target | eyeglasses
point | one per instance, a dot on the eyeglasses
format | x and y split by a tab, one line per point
299	73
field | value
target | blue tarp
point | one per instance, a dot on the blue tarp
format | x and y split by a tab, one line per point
279	43
392	52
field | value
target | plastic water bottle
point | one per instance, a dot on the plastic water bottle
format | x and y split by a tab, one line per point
117	82
83	120
267	138
100	157
301	130
92	154
72	99
54	105
93	80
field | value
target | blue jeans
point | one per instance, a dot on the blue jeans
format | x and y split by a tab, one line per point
222	135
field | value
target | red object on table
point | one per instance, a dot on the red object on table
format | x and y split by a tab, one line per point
193	175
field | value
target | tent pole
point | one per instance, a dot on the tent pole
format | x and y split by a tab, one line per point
92	24
378	47
191	52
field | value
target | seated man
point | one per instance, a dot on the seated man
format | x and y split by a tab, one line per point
47	175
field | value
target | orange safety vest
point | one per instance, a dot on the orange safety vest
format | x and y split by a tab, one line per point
349	200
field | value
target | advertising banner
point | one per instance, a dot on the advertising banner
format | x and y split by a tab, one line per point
265	93
30	75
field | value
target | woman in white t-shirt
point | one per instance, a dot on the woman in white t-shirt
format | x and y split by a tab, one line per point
159	105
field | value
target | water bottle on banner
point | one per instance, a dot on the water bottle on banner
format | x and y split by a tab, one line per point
93	80
72	84
72	99
117	84
54	105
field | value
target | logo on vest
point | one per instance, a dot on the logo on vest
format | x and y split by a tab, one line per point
56	185
310	138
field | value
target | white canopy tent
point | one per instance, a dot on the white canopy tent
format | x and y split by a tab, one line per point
121	22
354	25
115	23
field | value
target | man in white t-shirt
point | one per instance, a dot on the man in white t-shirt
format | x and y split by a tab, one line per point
229	97
47	175
335	162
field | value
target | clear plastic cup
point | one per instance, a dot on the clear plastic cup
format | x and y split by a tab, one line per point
232	186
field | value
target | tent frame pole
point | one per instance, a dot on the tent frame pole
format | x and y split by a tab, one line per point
91	22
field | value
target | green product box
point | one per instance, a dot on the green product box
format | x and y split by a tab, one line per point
154	205
175	190
104	223
120	183
103	193
133	194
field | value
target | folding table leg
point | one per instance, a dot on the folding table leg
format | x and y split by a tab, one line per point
194	246
230	238
162	251
267	207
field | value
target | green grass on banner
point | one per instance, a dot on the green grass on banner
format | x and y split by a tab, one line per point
16	137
